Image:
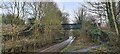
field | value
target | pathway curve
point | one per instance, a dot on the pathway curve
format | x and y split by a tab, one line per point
89	48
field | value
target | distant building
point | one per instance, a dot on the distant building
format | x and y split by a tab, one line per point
29	21
26	21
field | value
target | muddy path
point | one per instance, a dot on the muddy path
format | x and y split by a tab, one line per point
60	46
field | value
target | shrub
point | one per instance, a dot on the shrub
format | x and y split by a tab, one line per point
95	34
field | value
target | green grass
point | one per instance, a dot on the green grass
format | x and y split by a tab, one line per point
76	45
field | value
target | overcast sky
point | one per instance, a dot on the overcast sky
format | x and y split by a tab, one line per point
67	5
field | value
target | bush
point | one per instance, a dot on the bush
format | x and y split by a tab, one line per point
95	34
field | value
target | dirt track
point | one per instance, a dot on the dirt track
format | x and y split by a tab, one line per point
58	47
